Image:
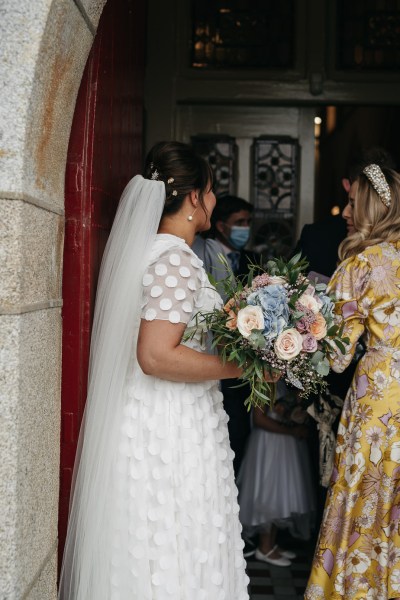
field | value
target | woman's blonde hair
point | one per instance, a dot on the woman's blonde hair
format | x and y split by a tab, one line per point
373	221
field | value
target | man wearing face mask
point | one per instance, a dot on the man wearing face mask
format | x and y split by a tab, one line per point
228	235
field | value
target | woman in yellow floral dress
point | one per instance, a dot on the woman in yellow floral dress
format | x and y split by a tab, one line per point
358	551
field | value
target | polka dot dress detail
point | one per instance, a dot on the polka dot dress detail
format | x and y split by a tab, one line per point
177	532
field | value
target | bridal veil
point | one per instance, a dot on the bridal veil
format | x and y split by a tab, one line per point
86	570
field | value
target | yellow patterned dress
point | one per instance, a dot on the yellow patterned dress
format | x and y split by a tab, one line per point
358	551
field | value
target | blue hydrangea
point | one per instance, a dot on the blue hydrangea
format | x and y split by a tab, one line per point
273	301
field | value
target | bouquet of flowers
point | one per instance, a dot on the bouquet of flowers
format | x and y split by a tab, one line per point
277	321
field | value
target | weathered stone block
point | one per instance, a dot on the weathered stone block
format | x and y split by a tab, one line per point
93	9
45	588
47	45
30	355
31	255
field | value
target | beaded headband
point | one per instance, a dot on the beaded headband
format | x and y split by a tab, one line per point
379	183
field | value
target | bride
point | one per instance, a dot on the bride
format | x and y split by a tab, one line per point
154	512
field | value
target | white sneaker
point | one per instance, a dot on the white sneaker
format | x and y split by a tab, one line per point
286	553
282	561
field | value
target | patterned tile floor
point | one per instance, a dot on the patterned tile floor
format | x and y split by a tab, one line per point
268	582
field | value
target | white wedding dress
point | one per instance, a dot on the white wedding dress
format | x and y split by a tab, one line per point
175	501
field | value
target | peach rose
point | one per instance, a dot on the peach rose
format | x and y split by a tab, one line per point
249	318
288	344
229	305
318	328
310	302
231	321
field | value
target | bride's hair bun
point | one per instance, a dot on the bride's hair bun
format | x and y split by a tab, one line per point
181	170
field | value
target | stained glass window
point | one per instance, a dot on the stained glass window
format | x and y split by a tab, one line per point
368	34
243	33
275	179
221	152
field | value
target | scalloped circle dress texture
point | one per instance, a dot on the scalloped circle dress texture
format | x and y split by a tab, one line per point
177	510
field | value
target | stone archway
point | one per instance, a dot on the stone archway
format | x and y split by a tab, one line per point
43	47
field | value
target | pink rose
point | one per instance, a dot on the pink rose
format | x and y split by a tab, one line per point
313	303
249	318
310	343
288	344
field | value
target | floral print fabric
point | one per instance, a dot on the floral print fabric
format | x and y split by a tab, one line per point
358	551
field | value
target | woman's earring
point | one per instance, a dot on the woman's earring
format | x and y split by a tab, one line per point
190	217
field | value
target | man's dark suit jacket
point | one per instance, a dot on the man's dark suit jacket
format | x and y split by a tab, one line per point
319	244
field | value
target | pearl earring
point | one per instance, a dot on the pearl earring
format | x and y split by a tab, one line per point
190	217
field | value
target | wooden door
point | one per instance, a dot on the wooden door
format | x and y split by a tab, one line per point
105	151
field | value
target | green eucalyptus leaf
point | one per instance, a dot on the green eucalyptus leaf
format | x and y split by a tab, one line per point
256	339
317	357
341	346
332	331
322	368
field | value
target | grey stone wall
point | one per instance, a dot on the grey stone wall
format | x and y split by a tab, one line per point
43	50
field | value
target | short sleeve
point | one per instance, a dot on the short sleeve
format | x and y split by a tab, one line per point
350	285
170	287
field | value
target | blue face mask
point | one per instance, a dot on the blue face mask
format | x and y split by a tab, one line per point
239	236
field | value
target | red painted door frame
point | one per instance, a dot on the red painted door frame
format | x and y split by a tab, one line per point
105	151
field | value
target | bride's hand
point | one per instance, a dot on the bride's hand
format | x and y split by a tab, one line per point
271	375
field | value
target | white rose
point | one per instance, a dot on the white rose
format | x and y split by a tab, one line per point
249	318
311	302
276	280
288	344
